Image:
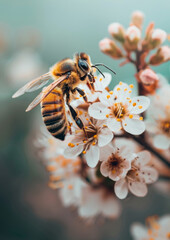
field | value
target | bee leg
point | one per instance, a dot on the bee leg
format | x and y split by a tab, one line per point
82	93
75	117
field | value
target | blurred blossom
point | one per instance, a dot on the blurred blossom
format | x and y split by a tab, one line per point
148	77
23	66
109	47
158	36
158	118
117	31
155	229
162	55
137	19
133	35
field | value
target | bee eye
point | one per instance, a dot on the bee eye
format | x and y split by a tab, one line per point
83	65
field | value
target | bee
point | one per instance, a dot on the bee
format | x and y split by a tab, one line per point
67	75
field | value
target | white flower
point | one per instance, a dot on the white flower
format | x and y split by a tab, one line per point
98	202
72	190
157	229
57	165
100	84
116	161
137	178
158	118
120	110
89	140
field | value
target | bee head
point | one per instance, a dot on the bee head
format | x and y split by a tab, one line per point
83	64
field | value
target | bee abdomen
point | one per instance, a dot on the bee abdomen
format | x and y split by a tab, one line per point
53	113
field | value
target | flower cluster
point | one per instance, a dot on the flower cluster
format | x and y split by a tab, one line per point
112	155
129	45
96	165
156	229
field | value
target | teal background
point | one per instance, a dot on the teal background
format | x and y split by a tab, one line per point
29	210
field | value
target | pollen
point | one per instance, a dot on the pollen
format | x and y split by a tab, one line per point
118	120
130	116
140	107
84	141
113	171
93	143
107	115
125	89
70	186
125	124
80	112
131	86
141	118
118	89
108	96
95	136
77	144
134	104
95	77
104	125
85	127
111	92
130	91
100	79
69	144
87	119
51	168
120	83
84	152
130	101
72	145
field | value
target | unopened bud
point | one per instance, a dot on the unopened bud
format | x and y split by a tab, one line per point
157	37
137	19
162	55
117	31
148	77
133	35
109	47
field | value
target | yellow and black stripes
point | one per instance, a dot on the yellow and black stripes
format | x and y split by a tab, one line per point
53	113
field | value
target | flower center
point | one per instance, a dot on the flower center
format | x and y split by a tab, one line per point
114	161
119	110
165	126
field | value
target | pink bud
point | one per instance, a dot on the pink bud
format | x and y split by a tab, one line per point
110	48
117	31
148	77
133	33
164	51
137	18
159	35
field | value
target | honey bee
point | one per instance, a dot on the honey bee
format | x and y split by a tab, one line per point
67	75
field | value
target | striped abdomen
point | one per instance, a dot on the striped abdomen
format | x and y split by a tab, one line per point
53	113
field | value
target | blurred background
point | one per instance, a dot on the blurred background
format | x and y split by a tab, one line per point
34	34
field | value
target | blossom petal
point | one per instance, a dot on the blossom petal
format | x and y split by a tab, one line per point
139	104
73	151
106	151
113	125
139	189
161	141
92	156
121	188
143	158
133	126
149	174
104	169
101	83
111	208
139	232
98	111
104	137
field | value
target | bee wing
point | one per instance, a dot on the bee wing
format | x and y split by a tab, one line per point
33	85
45	93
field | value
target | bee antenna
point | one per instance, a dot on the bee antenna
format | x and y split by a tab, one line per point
101	64
98	70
